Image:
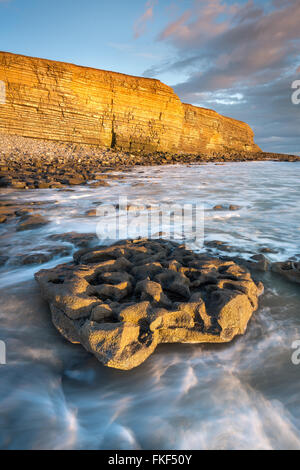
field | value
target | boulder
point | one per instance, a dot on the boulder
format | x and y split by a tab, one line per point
288	269
120	305
32	222
77	239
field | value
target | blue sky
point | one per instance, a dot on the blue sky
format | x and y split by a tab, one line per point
96	33
238	57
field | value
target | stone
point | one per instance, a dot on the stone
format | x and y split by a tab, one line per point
119	305
288	269
3	260
34	258
42	254
259	263
75	181
97	184
231	207
101	312
267	249
59	250
91	213
43	185
24	212
152	291
77	239
5	180
220	245
18	184
32	222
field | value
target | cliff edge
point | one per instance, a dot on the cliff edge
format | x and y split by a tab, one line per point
65	102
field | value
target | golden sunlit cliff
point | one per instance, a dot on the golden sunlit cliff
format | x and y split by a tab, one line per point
65	102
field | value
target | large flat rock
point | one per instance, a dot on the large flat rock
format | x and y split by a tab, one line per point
121	301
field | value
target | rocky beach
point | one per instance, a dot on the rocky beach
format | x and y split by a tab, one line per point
27	163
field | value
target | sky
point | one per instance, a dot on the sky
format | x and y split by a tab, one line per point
239	57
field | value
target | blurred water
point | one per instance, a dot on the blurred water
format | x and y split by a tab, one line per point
241	395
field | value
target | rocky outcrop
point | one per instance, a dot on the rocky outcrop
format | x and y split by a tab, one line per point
290	270
121	301
204	130
65	102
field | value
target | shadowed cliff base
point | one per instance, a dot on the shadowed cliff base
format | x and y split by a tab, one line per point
65	102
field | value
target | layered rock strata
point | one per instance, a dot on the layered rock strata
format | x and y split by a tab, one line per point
65	102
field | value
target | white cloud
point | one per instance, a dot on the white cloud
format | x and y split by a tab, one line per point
140	25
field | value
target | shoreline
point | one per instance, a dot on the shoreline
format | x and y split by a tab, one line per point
28	163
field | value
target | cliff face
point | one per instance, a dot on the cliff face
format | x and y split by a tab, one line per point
59	101
205	130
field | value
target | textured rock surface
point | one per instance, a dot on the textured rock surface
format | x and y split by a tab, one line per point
288	269
204	130
60	101
120	301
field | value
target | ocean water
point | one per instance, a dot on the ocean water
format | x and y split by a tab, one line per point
242	395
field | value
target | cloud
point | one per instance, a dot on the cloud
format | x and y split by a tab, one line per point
140	25
186	31
249	49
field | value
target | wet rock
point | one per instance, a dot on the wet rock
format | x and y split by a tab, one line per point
77	239
75	181
97	184
3	260
32	222
259	263
42	185
222	246
91	213
40	255
222	207
256	263
266	249
295	257
288	269
34	258
59	250
5	181
119	304
8	211
18	184
24	212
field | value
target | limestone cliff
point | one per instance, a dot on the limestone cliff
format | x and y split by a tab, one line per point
59	101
